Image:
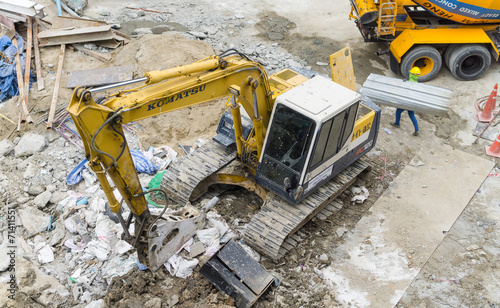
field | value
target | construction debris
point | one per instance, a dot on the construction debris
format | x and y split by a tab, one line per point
19	9
79	35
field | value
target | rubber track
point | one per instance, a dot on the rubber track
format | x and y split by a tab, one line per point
272	231
185	173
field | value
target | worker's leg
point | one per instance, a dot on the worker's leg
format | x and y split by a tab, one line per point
413	120
398	117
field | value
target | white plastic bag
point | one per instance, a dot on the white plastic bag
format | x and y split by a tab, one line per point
211	239
180	267
45	255
360	194
99	249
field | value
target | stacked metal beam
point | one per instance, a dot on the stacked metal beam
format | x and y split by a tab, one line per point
407	95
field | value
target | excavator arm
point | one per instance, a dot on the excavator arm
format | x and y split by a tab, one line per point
100	129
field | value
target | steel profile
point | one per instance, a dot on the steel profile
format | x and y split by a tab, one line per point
407	95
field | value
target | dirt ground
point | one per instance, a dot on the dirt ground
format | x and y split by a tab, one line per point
282	34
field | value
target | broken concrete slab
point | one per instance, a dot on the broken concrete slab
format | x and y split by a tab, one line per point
31	280
6	146
33	219
42	199
385	251
196	249
29	144
4	250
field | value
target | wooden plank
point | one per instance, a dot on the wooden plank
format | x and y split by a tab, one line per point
38	60
27	66
20	84
56	87
98	55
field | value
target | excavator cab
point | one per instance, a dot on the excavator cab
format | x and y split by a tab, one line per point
317	129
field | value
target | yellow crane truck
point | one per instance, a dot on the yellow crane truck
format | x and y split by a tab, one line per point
424	33
298	148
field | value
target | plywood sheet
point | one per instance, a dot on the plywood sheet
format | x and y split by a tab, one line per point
386	249
100	76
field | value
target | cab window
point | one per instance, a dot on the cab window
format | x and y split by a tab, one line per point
333	135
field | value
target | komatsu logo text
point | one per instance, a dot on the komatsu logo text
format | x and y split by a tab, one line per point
176	97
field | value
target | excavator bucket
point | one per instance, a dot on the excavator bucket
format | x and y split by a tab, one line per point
342	70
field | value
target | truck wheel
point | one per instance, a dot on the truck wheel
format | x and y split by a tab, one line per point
449	52
426	58
469	61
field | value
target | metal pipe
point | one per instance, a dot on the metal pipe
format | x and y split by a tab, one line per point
118	84
58	6
210	204
158	76
255	106
383	52
238	130
67	138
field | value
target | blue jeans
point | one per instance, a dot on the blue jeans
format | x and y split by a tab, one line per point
411	114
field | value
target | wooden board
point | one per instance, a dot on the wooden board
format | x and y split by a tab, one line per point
27	66
385	251
55	95
98	55
38	61
100	76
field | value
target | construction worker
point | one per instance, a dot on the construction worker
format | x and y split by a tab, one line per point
414	73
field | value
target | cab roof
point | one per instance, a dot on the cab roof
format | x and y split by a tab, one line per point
319	98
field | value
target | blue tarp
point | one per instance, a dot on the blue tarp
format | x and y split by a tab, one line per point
141	163
8	77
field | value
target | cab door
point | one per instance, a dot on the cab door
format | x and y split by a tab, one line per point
331	145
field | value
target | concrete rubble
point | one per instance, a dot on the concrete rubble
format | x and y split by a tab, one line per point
72	249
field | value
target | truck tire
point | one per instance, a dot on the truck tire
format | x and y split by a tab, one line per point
469	61
426	58
451	48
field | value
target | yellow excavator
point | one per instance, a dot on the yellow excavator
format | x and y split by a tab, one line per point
297	144
464	34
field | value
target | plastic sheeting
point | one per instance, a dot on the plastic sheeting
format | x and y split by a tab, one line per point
141	163
8	77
